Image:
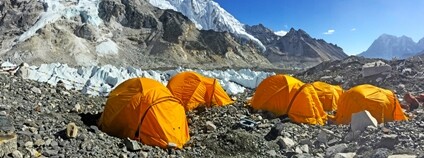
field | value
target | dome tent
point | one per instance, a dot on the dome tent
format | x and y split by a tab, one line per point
381	103
194	90
328	94
143	109
286	95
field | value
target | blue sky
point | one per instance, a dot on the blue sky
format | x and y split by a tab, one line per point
351	24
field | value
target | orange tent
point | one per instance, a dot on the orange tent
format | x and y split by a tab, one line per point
381	103
194	89
144	110
328	94
283	94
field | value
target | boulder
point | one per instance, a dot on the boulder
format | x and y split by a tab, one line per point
361	120
374	68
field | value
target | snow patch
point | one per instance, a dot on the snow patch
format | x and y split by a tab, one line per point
107	48
281	33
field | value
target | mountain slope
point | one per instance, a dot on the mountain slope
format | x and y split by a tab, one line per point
118	32
207	15
389	46
296	48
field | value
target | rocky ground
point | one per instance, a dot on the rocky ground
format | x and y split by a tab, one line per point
40	114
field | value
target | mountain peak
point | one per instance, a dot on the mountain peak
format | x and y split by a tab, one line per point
388	46
297	33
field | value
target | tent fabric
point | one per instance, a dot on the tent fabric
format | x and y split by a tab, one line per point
143	109
286	95
194	90
381	103
328	94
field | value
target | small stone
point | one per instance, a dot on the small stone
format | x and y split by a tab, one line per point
36	90
284	142
71	130
304	148
402	156
29	144
144	154
33	152
275	131
210	126
77	108
352	136
39	142
272	153
122	155
3	113
298	150
132	145
332	150
17	154
345	155
322	137
50	153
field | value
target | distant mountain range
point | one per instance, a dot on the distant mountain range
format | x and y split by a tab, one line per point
294	48
389	46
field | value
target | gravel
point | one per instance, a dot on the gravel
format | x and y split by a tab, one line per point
40	114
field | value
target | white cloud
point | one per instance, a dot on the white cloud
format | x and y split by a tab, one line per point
329	32
281	33
353	29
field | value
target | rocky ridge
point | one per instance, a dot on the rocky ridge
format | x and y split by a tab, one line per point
41	114
296	48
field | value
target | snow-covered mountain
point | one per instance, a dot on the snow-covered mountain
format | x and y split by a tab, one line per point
389	46
119	32
207	15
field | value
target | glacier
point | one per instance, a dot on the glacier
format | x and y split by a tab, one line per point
207	15
100	80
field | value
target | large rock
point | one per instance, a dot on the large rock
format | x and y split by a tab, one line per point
374	68
361	120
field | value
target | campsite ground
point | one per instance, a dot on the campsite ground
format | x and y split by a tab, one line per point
40	113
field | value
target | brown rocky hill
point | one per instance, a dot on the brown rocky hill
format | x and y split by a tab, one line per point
131	33
296	48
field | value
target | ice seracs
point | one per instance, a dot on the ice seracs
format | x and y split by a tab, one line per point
96	80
